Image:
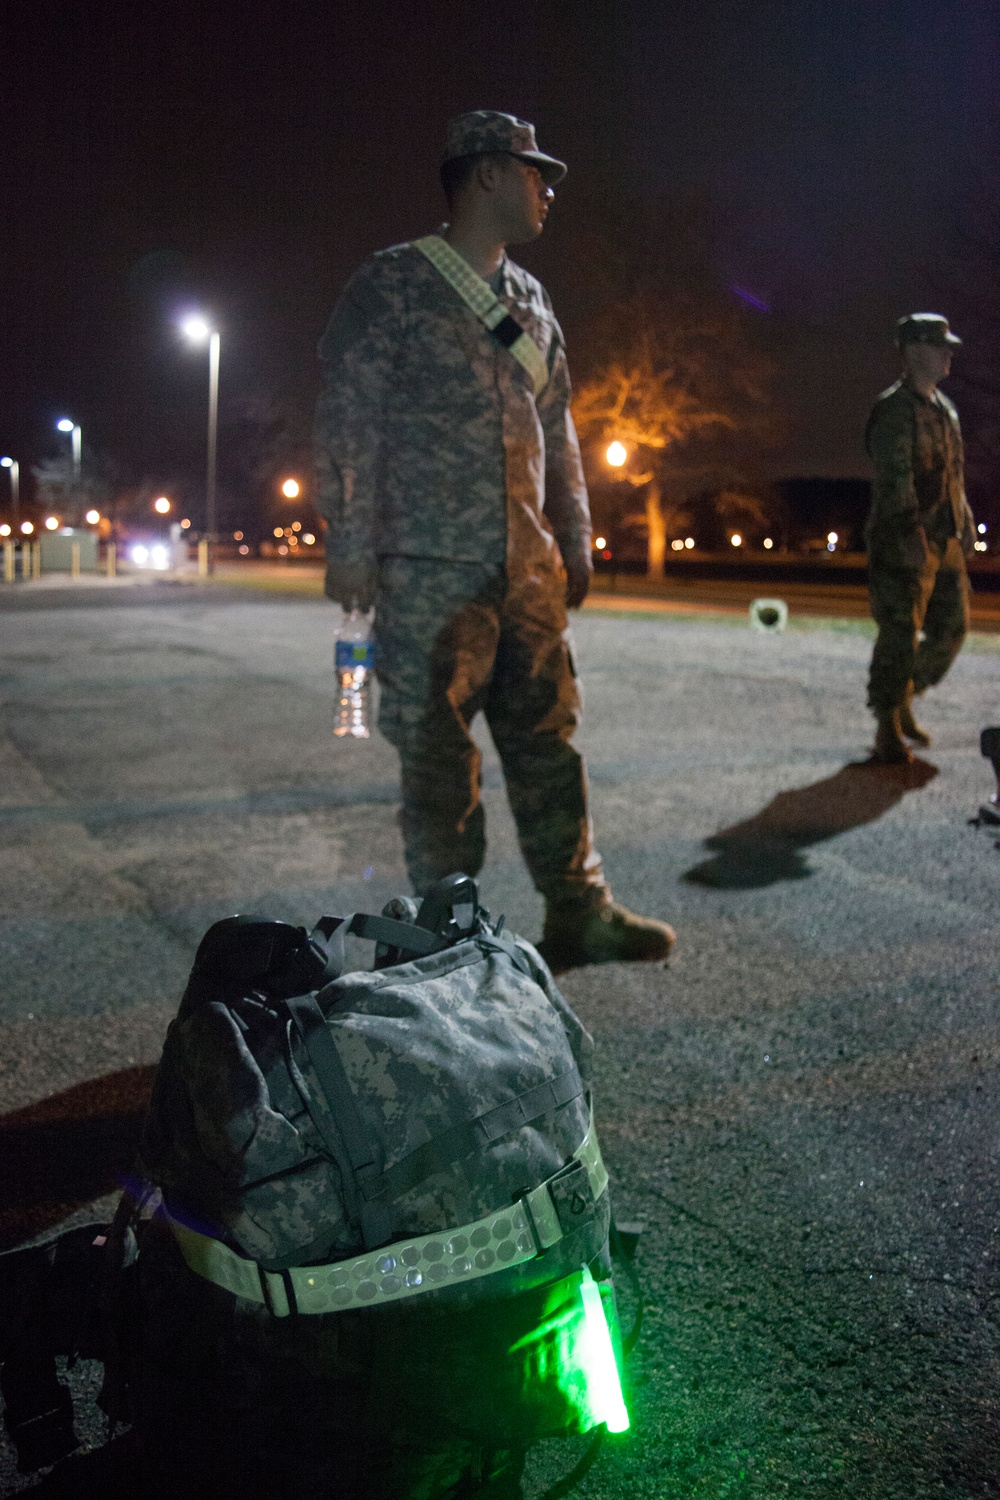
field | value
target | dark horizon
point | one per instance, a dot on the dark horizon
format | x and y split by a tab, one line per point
244	162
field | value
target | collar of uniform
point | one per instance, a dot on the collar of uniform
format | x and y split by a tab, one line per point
934	399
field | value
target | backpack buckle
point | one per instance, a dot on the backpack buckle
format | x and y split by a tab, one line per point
573	1197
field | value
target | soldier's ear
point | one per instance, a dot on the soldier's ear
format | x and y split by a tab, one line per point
489	170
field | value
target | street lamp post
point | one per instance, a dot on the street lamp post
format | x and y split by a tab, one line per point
198	331
66	424
15	488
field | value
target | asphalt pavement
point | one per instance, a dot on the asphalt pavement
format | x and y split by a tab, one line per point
801	1109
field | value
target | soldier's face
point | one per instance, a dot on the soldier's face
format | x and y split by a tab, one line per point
928	362
522	201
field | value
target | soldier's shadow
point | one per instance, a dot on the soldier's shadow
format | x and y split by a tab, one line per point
65	1151
768	847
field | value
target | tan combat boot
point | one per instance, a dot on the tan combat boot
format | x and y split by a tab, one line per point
890	748
588	932
908	724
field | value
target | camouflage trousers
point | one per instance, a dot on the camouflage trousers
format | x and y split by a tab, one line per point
932	600
454	638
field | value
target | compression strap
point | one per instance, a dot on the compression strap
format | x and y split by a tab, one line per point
504	1238
479	296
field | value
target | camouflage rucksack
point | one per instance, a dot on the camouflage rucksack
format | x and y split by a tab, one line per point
327	1140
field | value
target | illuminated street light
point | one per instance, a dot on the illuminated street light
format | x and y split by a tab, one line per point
15	485
161	506
291	488
768	544
4	529
197	330
66	424
616	455
689	542
600	543
736	539
51	523
981	528
92	517
26	528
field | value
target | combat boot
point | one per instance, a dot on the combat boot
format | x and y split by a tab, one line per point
890	748
599	932
908	724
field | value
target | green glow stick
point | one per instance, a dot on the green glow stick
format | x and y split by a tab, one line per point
597	1355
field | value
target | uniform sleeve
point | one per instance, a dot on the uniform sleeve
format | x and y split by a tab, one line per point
357	354
889	440
566	506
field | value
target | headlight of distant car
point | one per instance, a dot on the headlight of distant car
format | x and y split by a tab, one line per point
151	557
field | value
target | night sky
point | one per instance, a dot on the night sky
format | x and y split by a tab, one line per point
243	158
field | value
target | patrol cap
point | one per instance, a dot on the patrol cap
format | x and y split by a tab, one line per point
925	328
486	130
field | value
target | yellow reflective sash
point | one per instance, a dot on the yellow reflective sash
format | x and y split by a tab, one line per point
479	297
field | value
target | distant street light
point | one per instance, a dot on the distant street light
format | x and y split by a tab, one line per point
291	488
15	486
51	523
616	455
161	506
197	330
66	424
768	543
26	528
92	517
736	539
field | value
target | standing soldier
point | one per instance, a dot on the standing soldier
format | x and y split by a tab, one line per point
450	478
919	532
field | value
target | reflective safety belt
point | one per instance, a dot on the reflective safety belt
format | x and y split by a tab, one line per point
507	1237
480	297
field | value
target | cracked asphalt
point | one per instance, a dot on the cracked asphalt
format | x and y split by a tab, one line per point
801	1109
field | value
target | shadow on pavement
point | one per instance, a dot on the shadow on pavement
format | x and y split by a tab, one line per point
65	1151
766	848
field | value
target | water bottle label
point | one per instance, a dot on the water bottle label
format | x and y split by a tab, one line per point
353	654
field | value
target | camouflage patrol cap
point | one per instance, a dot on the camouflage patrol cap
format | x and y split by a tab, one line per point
486	130
925	328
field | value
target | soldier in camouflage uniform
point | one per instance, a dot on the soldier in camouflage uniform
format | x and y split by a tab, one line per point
451	482
919	532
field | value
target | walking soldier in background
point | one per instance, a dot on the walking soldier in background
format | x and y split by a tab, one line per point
919	533
451	482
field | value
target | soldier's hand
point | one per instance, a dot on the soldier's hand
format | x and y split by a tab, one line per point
351	583
579	571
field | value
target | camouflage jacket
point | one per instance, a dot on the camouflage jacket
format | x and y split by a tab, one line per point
430	440
918	494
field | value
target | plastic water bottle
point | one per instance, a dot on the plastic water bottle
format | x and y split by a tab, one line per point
353	660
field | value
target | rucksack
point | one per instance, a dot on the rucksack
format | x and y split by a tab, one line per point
326	1140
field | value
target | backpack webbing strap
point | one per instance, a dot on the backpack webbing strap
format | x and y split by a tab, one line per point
473	1135
480	298
403	935
425	1263
361	1148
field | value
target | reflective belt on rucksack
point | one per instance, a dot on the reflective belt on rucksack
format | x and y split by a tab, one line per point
480	298
507	1237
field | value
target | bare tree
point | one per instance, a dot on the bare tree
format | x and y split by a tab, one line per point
676	375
